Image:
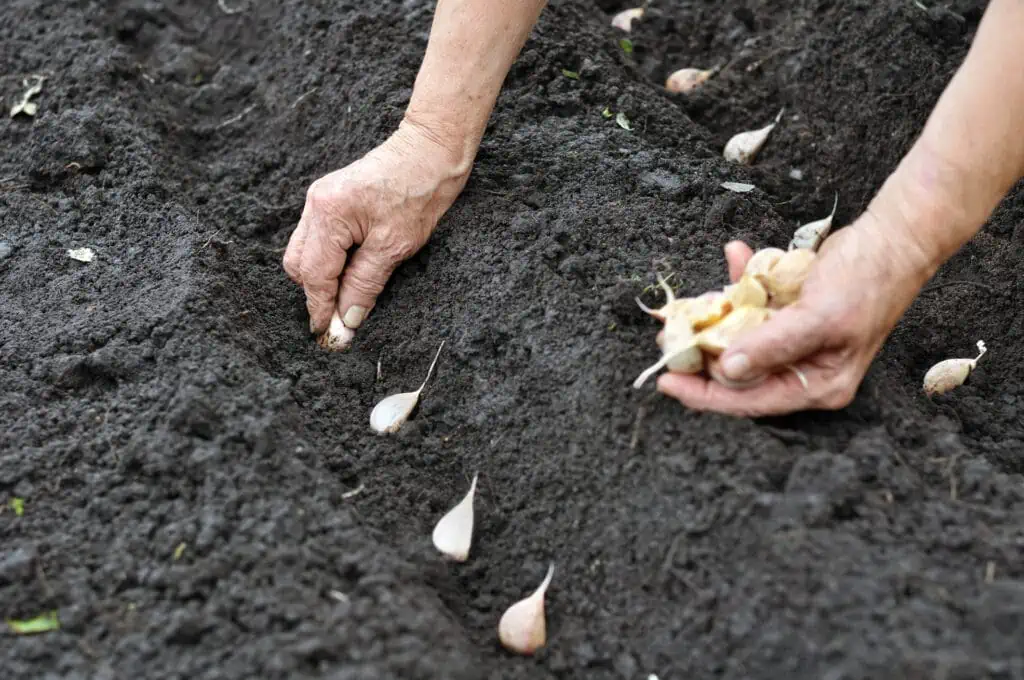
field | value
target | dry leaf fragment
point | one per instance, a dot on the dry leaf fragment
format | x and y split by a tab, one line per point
26	106
82	254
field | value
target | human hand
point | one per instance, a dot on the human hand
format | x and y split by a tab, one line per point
864	278
387	203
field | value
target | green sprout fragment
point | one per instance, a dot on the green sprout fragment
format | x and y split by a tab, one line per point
623	122
43	623
627	45
18	505
570	74
607	113
179	551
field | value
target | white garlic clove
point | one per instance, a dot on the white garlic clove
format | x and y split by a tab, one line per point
687	79
453	533
744	146
951	373
813	233
685	356
338	336
390	413
523	628
624	19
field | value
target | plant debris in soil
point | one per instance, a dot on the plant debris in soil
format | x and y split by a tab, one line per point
173	396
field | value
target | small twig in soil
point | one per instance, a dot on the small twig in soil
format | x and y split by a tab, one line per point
235	119
380	373
990	572
338	595
227	10
354	492
957	283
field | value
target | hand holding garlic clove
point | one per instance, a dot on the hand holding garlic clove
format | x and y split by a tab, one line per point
699	329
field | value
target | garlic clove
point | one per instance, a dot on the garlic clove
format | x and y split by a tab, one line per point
717	338
744	146
523	628
951	373
707	309
390	413
687	79
679	341
666	357
747	292
453	534
338	336
813	233
762	262
624	19
786	279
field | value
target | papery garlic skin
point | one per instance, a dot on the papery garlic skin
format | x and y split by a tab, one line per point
338	336
743	147
951	373
624	19
523	628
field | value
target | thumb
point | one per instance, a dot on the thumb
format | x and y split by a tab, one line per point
790	335
737	254
364	279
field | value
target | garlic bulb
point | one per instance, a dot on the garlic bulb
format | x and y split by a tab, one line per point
624	19
813	233
391	412
786	279
744	146
453	533
338	336
687	79
951	373
522	628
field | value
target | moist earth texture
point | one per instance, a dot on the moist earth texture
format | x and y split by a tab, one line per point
201	495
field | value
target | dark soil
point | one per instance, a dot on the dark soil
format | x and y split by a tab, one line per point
184	449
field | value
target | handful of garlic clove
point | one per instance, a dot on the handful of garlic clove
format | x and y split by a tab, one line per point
699	329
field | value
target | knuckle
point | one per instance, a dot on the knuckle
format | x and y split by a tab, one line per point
840	395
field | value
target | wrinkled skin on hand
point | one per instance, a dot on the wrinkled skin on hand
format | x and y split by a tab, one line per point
359	223
862	282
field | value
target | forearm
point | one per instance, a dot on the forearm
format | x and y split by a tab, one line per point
472	46
971	150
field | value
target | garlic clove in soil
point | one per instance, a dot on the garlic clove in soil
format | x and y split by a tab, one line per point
687	79
338	337
453	534
813	233
744	146
390	413
624	19
786	279
717	338
951	373
523	628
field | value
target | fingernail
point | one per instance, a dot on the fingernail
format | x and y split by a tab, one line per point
354	316
736	367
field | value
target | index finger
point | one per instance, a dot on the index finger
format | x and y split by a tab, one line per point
323	259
